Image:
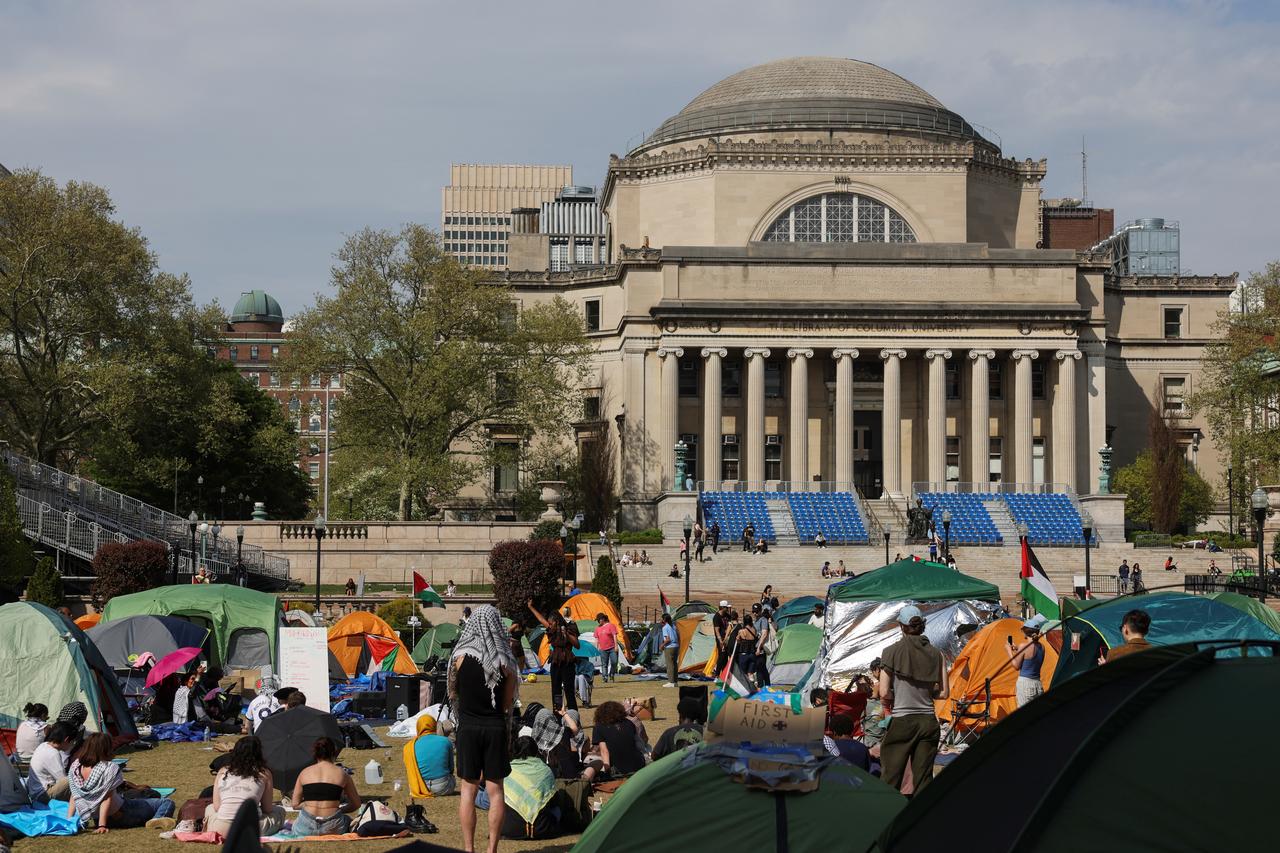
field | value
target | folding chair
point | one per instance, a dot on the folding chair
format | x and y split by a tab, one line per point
970	718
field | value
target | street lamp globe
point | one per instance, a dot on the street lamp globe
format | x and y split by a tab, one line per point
240	533
688	526
203	528
564	532
946	516
193	519
319	522
1258	499
1086	523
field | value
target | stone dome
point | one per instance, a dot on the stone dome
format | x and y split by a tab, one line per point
811	92
257	306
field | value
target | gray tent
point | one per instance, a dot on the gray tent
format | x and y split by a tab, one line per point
13	794
122	641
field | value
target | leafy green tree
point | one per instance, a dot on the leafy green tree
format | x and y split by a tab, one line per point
121	568
433	353
45	586
1239	391
606	581
396	613
1140	482
83	308
16	558
523	570
194	415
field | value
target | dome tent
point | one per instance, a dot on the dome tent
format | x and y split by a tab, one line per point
797	648
121	641
360	640
45	658
984	658
436	641
797	610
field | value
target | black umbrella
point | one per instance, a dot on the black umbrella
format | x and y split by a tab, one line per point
287	739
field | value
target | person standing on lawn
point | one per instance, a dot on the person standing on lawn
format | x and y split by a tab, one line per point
913	676
669	645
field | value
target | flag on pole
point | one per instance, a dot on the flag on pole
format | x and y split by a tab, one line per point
734	685
1037	590
424	593
666	604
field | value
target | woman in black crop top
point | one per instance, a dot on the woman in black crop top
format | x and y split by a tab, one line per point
325	794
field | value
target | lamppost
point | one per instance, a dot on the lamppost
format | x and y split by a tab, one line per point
319	538
946	535
564	550
200	491
1086	527
222	501
192	521
574	524
216	529
1023	532
1259	501
888	529
239	549
175	553
688	534
204	542
1231	503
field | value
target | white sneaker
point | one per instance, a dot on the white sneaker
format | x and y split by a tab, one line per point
669	684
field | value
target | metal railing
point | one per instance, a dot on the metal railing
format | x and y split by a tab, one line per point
92	514
923	486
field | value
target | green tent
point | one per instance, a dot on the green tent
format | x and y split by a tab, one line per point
913	580
1175	618
796	610
1093	764
242	622
797	648
45	658
1252	606
436	642
699	806
689	608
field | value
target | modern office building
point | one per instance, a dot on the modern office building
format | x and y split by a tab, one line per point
476	206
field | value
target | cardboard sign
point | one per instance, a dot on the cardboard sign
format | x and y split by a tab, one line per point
766	722
304	664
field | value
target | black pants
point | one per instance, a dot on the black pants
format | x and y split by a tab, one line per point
762	670
562	683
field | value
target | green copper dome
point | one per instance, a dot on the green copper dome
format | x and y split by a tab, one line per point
257	306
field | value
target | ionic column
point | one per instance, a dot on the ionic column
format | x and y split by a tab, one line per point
1022	359
755	413
844	415
892	424
670	403
712	415
1064	412
799	426
937	359
980	413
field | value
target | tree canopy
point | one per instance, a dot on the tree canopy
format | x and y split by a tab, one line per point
1142	481
433	354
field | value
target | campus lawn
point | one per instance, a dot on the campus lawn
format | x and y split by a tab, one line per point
186	767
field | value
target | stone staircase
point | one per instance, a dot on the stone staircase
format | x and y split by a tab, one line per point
794	571
1003	520
784	525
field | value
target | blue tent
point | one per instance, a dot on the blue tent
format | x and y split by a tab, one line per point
1175	618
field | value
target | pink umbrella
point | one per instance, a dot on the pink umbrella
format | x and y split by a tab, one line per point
170	664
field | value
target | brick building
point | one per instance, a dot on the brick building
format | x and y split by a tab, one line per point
1066	223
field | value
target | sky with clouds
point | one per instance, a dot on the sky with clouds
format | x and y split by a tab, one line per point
246	139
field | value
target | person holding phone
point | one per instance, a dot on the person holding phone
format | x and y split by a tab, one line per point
1028	658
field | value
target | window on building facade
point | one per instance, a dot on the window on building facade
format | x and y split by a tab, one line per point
313	423
840	218
729	457
313	470
1174	389
591	408
335	381
690	440
275	352
731	378
689	376
1037	460
253	353
995	381
559	254
295	405
313	449
315	380
1172	323
212	352
953	459
773	457
1038	371
274	379
233	353
505	469
772	379
584	251
953	380
591	309
255	379
503	387
995	460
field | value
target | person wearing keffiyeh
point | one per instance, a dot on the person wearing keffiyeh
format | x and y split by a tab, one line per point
483	677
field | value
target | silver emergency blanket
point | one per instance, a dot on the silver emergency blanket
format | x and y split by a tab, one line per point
858	632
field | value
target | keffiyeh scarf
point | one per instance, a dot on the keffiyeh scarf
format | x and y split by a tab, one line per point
485	641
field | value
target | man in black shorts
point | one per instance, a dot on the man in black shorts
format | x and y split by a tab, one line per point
482	686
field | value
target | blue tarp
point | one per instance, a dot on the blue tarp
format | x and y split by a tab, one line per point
180	732
33	821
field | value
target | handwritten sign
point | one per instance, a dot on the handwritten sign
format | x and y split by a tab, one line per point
766	722
304	663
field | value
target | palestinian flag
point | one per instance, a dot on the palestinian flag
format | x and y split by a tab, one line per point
424	593
1036	588
666	604
734	685
382	653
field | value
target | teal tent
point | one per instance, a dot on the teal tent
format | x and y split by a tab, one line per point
1175	618
690	799
913	580
1252	606
796	610
1094	764
797	648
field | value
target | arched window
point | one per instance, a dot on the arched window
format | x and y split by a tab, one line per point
840	218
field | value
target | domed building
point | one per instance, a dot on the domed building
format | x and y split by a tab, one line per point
822	279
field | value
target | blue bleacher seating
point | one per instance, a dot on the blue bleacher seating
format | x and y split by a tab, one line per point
1050	519
734	509
971	524
836	514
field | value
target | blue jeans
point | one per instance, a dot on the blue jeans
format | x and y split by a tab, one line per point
608	663
135	813
308	824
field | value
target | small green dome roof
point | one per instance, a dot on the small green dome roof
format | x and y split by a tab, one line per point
256	306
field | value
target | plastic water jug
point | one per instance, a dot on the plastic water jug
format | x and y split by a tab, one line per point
373	772
402	713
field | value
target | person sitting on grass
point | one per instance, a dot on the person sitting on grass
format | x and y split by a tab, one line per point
325	794
31	731
686	733
529	791
47	779
617	739
428	759
245	777
842	743
95	782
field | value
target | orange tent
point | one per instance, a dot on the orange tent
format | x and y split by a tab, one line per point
585	605
984	657
361	640
87	621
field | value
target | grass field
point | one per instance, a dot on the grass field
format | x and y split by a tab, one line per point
186	767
